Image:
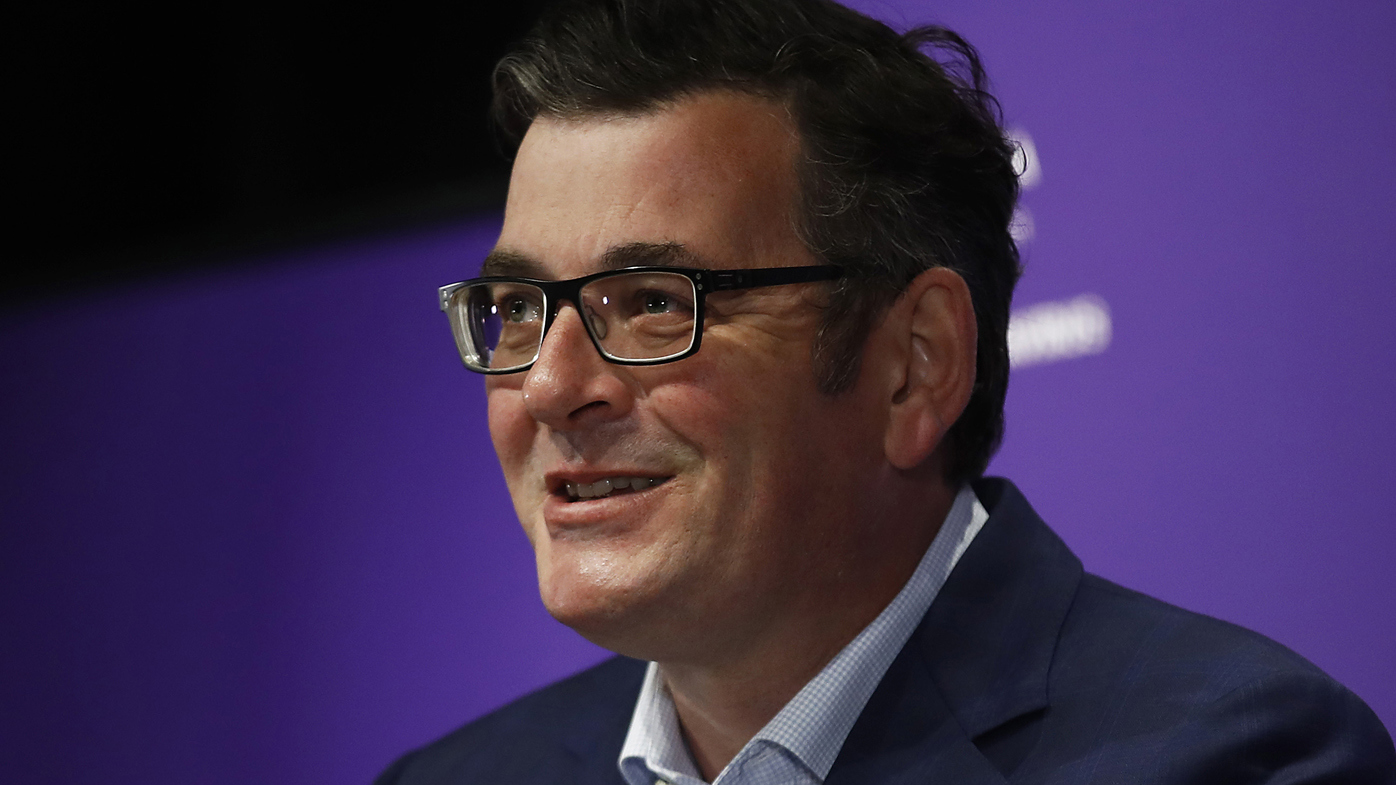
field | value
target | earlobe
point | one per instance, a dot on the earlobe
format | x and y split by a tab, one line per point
915	427
938	335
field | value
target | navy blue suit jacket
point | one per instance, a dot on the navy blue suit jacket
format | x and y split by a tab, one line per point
1025	669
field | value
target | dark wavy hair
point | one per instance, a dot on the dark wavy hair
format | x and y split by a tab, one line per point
905	163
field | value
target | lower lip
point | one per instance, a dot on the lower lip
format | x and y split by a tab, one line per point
620	509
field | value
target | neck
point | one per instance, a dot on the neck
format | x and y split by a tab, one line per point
723	703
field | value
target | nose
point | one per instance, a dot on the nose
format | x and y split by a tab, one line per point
570	386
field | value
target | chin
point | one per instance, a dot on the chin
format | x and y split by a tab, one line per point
606	609
599	619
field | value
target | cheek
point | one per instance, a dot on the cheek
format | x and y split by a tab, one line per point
776	439
730	421
511	428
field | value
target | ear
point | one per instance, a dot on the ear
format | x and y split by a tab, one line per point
936	331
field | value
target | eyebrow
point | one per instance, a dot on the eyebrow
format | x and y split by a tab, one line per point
651	254
508	262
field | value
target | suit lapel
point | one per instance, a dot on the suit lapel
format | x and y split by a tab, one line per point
907	733
594	742
979	658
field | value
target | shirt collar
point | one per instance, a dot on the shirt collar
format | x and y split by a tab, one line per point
812	727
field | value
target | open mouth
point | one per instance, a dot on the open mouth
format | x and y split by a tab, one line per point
608	486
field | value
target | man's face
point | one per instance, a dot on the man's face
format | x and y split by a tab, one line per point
755	485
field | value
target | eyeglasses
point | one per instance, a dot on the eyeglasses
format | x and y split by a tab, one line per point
635	316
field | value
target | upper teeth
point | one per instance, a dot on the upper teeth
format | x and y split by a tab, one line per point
603	487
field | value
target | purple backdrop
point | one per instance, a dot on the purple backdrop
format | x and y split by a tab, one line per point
253	530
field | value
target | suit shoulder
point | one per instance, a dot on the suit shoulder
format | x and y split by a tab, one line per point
1108	621
545	736
1144	691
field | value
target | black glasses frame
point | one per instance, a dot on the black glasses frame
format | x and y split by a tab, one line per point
704	282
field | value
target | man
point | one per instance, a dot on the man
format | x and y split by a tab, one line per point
745	337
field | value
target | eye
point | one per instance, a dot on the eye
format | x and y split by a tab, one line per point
658	302
518	309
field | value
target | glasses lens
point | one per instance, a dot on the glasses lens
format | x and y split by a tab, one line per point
641	316
498	326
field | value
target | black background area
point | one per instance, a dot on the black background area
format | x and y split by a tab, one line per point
154	139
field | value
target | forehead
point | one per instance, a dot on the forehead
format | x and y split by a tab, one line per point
713	173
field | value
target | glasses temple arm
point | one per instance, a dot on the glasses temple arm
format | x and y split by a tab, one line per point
726	280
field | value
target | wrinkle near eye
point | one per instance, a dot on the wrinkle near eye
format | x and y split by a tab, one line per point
780	302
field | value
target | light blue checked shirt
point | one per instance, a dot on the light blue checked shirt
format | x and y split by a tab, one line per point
799	745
